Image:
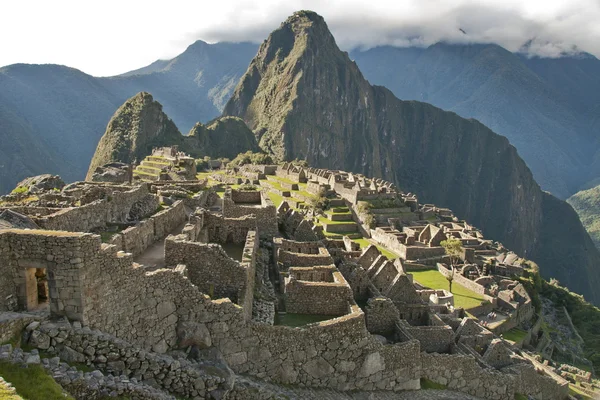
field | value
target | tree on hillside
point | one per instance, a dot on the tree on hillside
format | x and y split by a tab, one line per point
454	249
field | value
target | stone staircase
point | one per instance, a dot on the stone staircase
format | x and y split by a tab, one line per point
150	168
338	221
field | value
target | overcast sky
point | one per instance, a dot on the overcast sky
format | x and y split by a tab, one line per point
114	36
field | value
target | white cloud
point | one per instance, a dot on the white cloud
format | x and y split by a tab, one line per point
115	36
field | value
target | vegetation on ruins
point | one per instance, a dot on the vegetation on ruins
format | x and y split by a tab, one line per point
202	163
32	383
247	186
19	190
585	316
587	205
250	157
433	279
454	250
319	203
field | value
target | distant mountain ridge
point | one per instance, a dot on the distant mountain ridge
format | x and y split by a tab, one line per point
140	124
51	116
304	98
548	108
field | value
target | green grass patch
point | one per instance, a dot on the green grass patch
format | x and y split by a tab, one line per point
327	221
286	180
275	198
429	384
32	383
294	320
577	393
463	297
19	190
139	172
515	335
339	210
364	243
106	236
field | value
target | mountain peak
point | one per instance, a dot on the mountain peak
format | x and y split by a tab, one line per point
137	126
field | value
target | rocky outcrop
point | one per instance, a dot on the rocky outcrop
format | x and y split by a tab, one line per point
39	183
223	137
304	98
137	126
140	124
115	172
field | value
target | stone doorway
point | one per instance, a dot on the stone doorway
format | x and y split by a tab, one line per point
33	293
36	289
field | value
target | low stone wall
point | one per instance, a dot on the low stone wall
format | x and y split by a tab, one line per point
463	373
11	324
265	213
381	316
433	339
107	353
292	259
166	221
296	246
213	271
461	280
341	227
136	239
98	213
329	296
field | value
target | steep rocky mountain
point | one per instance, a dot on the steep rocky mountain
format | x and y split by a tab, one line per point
137	126
141	124
587	205
51	116
223	137
549	109
304	98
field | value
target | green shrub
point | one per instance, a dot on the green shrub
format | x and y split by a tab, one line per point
20	190
247	186
251	158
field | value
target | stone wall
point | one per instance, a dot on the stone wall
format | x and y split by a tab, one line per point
114	209
11	324
265	213
381	316
179	376
166	221
463	373
297	246
148	309
245	196
317	291
433	339
337	353
213	271
138	238
60	253
292	259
